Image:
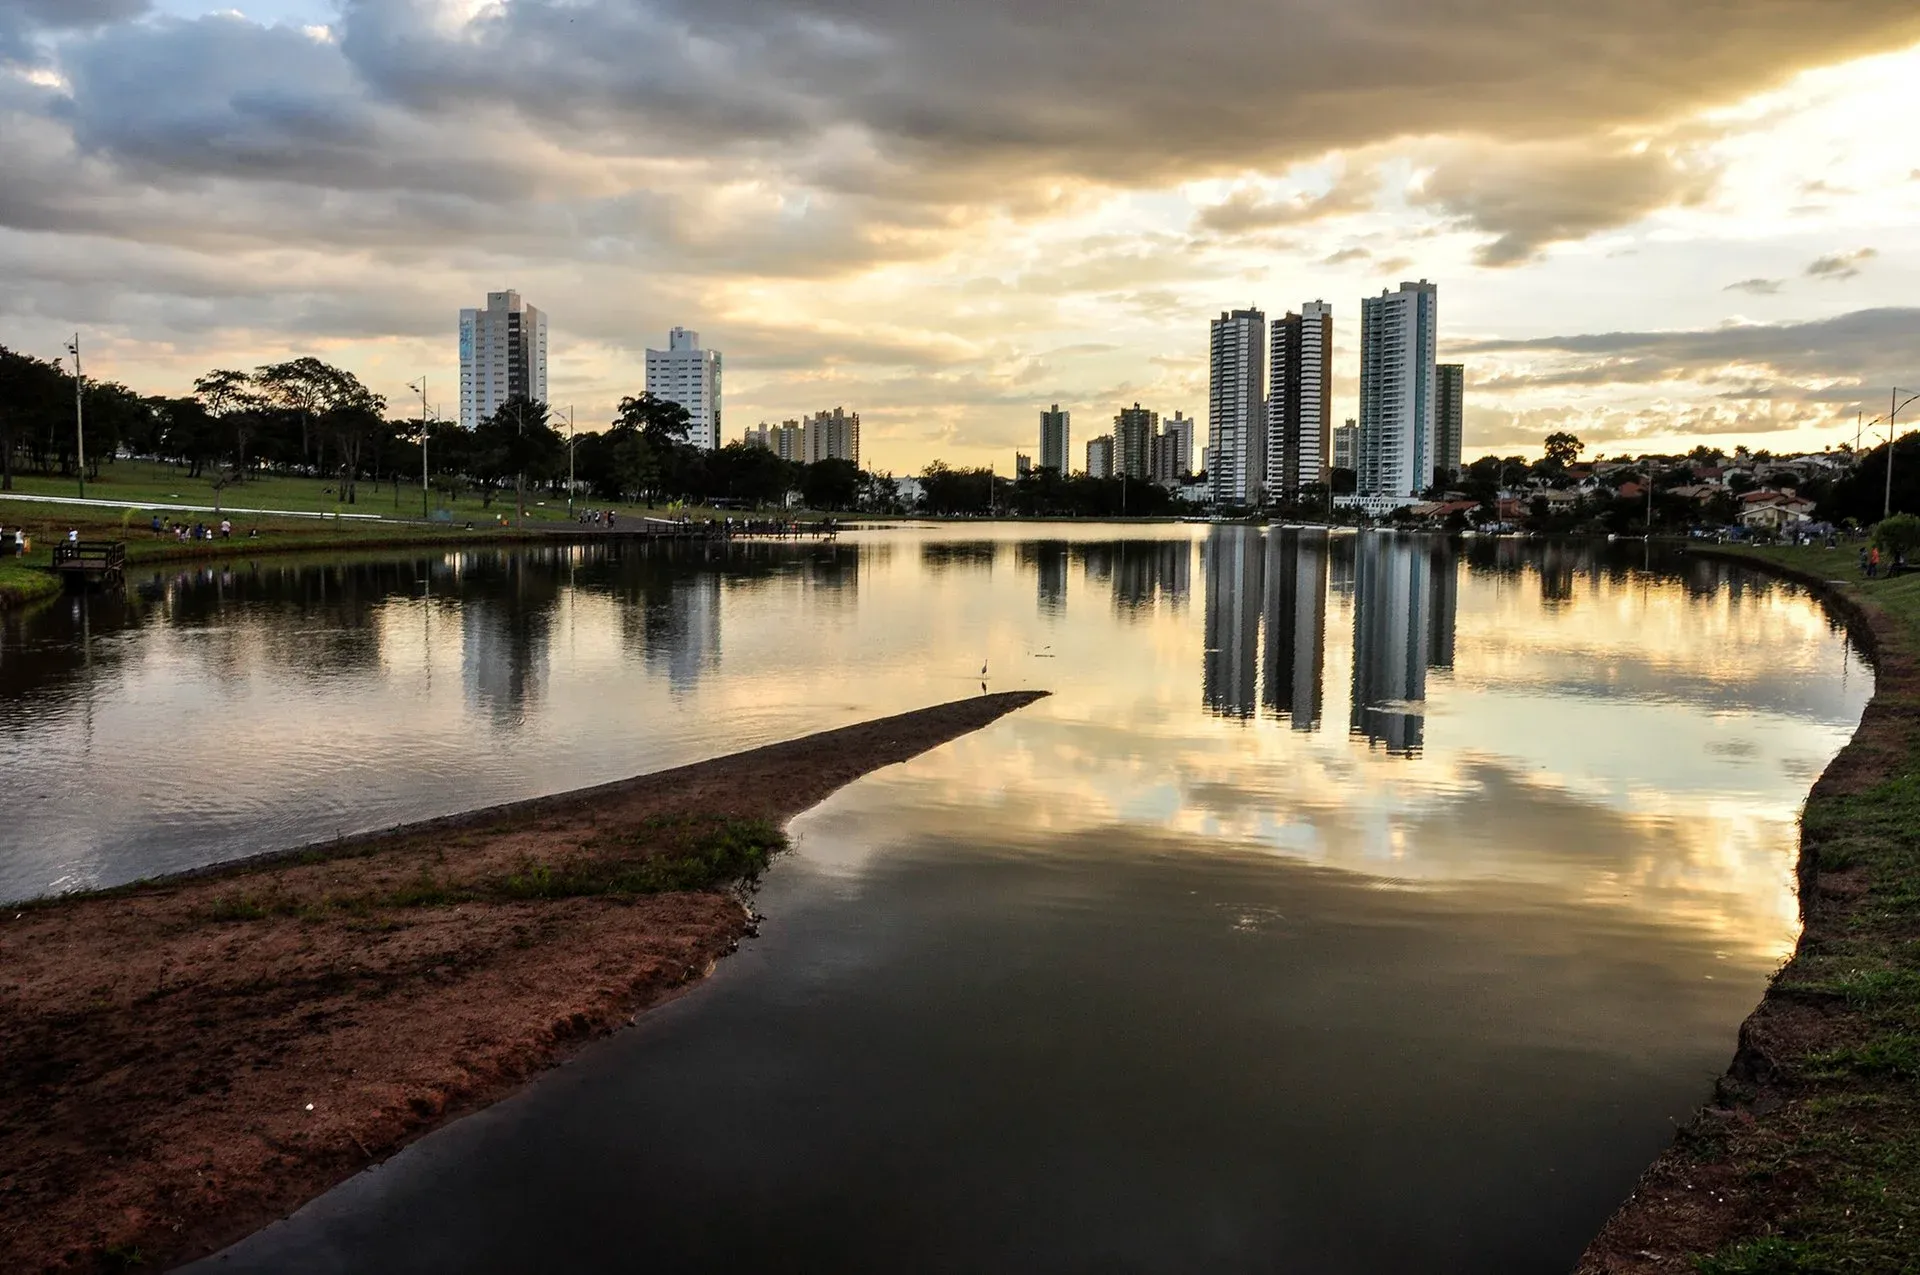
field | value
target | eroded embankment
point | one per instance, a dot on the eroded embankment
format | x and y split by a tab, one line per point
185	1060
1808	1157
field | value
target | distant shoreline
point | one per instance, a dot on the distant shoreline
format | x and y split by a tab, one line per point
189	1058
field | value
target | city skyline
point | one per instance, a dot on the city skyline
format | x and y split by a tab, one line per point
1722	255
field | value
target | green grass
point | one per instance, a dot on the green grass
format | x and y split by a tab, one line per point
21	584
145	482
662	855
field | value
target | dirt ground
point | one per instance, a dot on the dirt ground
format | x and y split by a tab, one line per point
186	1060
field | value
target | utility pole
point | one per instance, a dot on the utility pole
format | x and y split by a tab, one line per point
520	475
79	424
1894	404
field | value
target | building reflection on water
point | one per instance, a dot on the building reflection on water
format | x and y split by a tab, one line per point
1267	605
1405	600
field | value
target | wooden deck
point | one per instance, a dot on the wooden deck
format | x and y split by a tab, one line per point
86	562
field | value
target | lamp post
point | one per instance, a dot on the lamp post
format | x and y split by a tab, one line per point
421	386
570	441
1895	403
79	426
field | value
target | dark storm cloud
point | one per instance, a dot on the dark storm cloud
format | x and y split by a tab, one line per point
913	100
1866	347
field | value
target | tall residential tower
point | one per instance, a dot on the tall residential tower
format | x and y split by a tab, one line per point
684	373
1299	398
503	353
1054	442
1236	407
1398	332
1449	420
1134	430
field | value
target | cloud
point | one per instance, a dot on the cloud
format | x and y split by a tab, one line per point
1245	209
1758	287
1816	361
1533	195
1345	255
1843	265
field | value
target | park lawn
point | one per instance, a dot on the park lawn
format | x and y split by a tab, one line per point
21	584
1834	1168
144	481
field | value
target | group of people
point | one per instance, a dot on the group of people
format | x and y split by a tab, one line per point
1870	562
199	530
598	517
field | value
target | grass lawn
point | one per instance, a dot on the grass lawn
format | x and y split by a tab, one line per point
1816	1143
146	481
20	584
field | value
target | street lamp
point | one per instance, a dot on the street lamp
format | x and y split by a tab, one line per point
421	386
570	442
79	428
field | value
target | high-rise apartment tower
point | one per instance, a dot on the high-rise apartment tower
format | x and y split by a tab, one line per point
1346	446
1134	429
1398	333
833	435
1100	456
1236	407
1299	398
1054	441
503	353
684	373
1173	450
1449	420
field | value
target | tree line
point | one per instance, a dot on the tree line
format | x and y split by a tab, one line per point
307	417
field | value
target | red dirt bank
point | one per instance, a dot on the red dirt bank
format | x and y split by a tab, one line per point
188	1059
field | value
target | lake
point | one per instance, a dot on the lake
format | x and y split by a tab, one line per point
1355	903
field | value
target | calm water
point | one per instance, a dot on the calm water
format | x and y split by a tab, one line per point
1355	904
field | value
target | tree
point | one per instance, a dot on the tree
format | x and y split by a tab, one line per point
32	394
664	423
1899	534
830	484
1563	449
233	399
306	387
517	440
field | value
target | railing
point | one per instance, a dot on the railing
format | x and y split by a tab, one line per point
90	557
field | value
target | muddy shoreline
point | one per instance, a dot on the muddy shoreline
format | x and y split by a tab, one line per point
1744	1187
190	1058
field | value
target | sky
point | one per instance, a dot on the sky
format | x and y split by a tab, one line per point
1652	223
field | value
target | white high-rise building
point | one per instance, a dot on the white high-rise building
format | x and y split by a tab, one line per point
1299	397
1398	335
1237	407
684	373
503	352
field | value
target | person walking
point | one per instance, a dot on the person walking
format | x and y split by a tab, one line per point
1873	562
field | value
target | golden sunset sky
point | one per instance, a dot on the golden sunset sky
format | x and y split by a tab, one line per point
1652	222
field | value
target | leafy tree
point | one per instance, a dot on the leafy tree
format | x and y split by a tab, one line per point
1345	481
1899	534
517	442
663	423
1563	449
830	484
